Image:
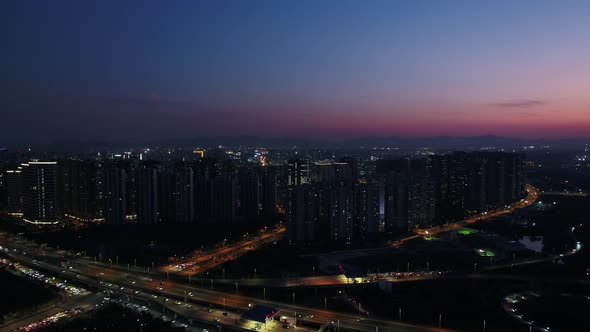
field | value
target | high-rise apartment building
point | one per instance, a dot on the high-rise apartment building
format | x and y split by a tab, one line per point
148	209
14	191
39	185
115	194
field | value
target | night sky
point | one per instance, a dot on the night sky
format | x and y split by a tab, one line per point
126	70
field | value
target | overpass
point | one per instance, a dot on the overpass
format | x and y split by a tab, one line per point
177	296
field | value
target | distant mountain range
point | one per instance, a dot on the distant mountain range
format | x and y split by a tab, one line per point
435	143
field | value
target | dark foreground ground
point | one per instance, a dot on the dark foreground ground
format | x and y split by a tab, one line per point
113	318
20	294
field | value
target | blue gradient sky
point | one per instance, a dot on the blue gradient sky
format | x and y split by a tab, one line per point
155	69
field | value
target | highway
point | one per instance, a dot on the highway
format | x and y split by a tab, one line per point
97	274
532	196
201	261
565	193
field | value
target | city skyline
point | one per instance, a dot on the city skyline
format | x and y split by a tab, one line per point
266	165
149	71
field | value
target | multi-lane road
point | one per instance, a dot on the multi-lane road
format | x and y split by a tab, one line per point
532	196
185	299
204	260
